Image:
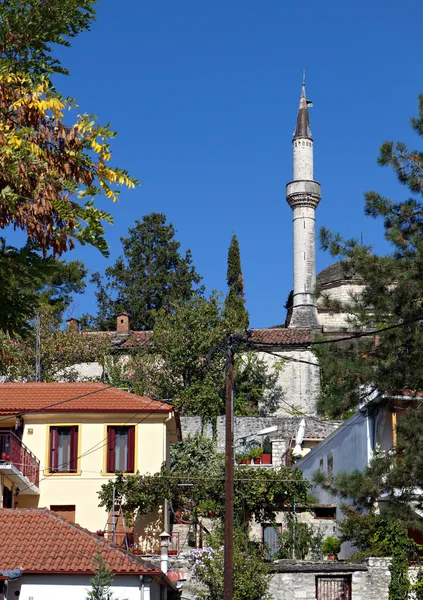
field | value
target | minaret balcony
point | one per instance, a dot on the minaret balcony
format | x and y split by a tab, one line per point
303	193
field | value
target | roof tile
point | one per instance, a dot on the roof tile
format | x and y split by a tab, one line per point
73	397
281	336
37	540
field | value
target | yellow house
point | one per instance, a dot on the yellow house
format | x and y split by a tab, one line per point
59	442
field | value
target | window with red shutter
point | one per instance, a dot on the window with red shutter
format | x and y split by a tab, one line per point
120	449
64	449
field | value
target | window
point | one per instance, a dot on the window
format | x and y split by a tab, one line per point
330	465
270	536
120	449
325	512
7	497
65	511
321	464
64	449
333	588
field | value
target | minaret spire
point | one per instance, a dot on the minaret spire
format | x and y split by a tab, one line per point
303	196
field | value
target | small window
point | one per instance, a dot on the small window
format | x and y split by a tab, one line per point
321	464
330	465
325	512
64	511
64	449
120	449
270	537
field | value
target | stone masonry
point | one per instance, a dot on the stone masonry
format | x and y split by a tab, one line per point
287	428
293	580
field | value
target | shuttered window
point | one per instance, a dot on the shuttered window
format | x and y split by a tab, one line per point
120	449
64	449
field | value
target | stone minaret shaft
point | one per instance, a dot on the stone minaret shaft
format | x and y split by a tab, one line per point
303	196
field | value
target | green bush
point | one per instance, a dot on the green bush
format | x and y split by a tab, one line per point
331	545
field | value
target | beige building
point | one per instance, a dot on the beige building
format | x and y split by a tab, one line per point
59	442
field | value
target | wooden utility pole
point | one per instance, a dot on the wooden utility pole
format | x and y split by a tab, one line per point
229	477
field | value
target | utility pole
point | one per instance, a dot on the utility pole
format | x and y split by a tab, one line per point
229	477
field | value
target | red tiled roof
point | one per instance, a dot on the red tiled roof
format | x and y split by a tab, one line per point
138	339
73	397
38	541
281	336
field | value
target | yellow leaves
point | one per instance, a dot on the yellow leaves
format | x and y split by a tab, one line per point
97	147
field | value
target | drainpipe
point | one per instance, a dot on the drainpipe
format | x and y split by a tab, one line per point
164	556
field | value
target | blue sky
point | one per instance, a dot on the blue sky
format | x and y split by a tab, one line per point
204	96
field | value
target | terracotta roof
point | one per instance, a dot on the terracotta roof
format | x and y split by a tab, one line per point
38	541
281	336
73	397
138	339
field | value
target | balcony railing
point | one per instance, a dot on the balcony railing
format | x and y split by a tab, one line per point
13	451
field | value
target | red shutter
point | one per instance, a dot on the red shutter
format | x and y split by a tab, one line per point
131	449
111	449
73	466
54	449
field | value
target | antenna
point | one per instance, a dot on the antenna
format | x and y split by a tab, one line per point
37	348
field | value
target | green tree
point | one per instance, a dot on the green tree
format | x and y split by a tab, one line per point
187	364
235	310
59	350
102	581
29	31
257	492
51	171
151	275
251	578
391	298
30	281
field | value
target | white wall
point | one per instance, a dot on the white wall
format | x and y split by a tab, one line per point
351	448
74	587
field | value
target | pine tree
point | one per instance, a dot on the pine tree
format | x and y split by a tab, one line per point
235	310
391	297
151	275
101	582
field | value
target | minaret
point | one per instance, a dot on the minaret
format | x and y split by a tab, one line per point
303	196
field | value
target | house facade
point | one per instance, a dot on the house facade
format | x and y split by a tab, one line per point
44	557
80	434
352	445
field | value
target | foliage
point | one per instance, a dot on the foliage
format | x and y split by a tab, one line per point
101	582
29	282
393	475
399	585
307	542
235	310
196	464
29	29
331	545
51	173
391	296
250	575
187	363
59	351
151	275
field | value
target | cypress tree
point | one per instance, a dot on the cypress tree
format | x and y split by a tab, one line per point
235	310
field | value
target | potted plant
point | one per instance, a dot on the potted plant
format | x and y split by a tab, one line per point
266	457
331	546
255	455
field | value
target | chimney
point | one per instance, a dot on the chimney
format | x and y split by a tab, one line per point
72	325
122	323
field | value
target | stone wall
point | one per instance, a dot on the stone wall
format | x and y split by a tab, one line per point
297	580
287	428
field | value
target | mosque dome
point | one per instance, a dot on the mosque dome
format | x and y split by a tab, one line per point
340	273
